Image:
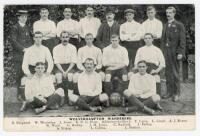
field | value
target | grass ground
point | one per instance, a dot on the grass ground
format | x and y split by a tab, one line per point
186	106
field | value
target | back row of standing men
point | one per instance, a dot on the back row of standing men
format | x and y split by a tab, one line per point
130	34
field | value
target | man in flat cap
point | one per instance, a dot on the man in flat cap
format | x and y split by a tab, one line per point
130	35
153	25
48	29
71	26
107	29
21	39
173	46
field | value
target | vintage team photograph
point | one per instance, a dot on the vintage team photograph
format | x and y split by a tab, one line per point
99	60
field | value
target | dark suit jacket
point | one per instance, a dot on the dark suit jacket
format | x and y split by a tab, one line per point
173	37
21	38
105	32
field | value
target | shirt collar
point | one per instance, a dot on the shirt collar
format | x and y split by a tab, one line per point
171	21
152	19
21	24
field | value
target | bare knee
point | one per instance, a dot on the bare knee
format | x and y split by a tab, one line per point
102	76
103	97
58	77
70	77
60	92
130	75
127	93
125	77
75	77
23	81
155	98
108	78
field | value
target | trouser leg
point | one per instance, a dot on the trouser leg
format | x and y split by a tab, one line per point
95	101
134	101
149	103
81	103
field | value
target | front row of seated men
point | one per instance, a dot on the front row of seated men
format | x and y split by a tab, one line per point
78	81
41	94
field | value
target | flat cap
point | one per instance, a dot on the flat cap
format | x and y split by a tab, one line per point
129	11
110	11
22	12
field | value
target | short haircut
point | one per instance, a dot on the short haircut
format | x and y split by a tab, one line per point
43	9
39	63
115	36
151	8
90	7
173	9
37	32
142	61
89	59
64	32
149	34
89	34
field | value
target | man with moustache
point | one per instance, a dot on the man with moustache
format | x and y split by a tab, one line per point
88	51
48	29
89	24
153	25
90	89
173	46
21	39
65	58
71	26
107	29
130	35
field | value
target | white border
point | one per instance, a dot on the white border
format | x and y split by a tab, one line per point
130	133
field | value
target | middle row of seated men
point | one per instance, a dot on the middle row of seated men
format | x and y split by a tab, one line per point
69	65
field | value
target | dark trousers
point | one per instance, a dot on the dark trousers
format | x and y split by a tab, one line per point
132	47
85	102
116	84
140	103
172	73
52	101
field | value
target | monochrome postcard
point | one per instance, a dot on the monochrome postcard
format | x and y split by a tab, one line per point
99	67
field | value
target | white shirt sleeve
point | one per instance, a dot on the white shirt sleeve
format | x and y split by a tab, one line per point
58	29
137	57
99	59
125	57
29	94
25	65
49	61
35	27
131	87
122	32
161	58
159	29
74	55
152	87
105	58
79	61
98	88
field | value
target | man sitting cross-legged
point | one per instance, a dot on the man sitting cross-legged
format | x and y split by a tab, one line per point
141	92
40	91
90	89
